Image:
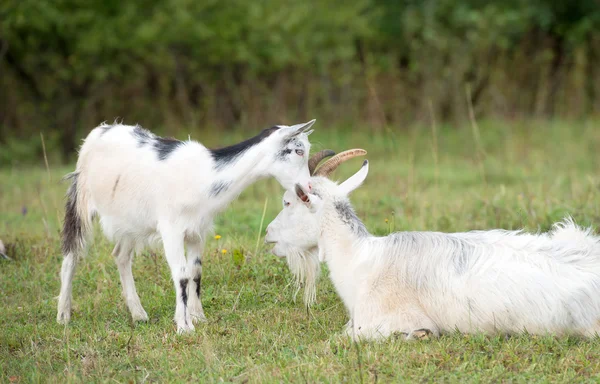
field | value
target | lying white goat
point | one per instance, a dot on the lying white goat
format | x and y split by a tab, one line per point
144	187
420	283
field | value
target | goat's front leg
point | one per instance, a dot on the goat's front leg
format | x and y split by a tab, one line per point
380	317
194	260
175	254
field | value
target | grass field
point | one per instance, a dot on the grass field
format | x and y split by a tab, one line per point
501	175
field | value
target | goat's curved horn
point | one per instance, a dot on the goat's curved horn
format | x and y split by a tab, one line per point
330	165
316	159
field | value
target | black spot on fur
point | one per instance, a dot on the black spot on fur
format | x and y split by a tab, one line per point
282	155
183	283
224	156
198	281
165	146
218	187
72	234
197	262
349	218
143	136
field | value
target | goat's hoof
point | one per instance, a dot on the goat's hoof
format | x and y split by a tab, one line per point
185	328
398	335
199	318
63	317
348	332
140	316
420	334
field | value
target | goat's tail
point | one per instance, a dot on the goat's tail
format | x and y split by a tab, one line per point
78	216
78	219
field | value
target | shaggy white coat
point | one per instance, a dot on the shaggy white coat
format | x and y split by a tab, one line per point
414	283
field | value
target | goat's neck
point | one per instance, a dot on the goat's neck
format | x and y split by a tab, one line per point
343	239
249	167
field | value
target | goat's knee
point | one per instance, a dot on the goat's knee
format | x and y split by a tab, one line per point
407	322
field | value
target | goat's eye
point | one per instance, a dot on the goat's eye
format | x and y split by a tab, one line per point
300	152
286	203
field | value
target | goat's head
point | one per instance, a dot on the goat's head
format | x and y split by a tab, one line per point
288	164
296	229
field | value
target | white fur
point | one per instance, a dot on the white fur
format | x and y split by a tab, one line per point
479	281
305	267
141	198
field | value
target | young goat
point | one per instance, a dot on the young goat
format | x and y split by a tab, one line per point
422	283
144	188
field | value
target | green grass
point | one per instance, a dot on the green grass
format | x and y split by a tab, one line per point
519	175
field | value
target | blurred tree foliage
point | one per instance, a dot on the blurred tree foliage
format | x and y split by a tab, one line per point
67	65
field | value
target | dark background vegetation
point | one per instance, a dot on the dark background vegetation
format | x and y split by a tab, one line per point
67	65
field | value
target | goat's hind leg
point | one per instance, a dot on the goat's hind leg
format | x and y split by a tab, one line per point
67	271
123	254
75	236
194	260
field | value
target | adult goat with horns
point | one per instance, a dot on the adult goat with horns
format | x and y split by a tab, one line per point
302	258
145	188
304	262
425	283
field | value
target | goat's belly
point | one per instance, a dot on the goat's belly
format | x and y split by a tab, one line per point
117	230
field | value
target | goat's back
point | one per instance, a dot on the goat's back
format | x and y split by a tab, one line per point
502	280
134	179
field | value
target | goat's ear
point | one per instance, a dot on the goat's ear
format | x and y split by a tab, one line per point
297	129
355	180
302	195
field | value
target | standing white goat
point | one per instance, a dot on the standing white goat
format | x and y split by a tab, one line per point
421	283
144	188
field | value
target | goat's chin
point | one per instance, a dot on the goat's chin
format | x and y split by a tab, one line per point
279	250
